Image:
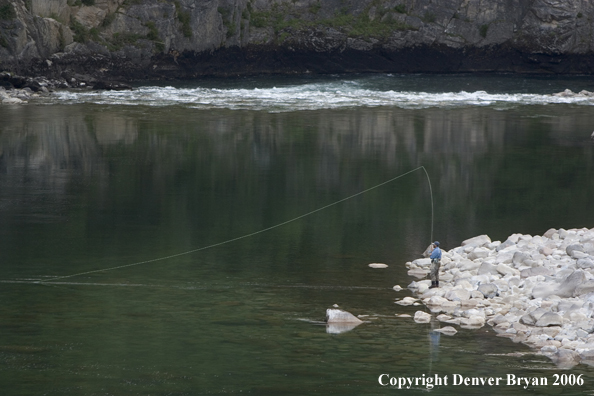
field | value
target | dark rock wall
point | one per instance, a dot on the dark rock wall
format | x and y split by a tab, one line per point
137	39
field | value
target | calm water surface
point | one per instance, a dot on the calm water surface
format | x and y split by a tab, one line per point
91	181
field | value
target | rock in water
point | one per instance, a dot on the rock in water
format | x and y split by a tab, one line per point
406	301
378	265
448	330
565	358
422	317
340	316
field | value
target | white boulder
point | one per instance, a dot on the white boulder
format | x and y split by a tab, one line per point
340	316
422	317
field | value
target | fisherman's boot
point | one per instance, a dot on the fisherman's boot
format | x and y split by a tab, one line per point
436	283
433	285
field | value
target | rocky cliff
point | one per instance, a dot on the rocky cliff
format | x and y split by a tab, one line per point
138	39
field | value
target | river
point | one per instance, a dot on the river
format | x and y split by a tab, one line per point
110	185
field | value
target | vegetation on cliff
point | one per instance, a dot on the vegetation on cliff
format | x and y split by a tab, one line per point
145	34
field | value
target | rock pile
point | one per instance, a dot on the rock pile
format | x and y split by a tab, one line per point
568	93
18	96
15	89
538	290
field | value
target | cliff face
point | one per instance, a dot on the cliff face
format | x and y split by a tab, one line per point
137	39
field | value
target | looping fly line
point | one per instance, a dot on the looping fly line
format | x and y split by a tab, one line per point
253	233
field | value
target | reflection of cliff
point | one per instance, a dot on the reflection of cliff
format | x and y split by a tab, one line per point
44	149
327	153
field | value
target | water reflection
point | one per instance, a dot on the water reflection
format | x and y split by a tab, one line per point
86	187
46	148
338	328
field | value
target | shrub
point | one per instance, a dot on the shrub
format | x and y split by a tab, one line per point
3	42
483	30
7	12
108	20
153	33
400	8
184	17
429	17
81	34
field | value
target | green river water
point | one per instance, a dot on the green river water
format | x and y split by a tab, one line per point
88	186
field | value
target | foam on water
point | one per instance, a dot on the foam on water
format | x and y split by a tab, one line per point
309	96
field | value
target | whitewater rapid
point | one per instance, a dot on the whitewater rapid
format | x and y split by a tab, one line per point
333	95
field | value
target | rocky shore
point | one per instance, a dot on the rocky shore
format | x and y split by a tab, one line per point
537	290
15	89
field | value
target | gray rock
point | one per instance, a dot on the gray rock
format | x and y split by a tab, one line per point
487	268
489	290
535	271
448	330
549	319
378	265
584	288
587	354
458	295
12	101
505	270
532	318
497	319
566	358
543	290
479	252
477	241
573	248
340	316
549	233
528	319
585	263
504	245
567	288
406	301
422	317
418	273
576	254
519	258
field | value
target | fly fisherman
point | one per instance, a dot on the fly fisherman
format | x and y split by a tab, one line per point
435	264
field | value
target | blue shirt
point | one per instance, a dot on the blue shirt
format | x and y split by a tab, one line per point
435	254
